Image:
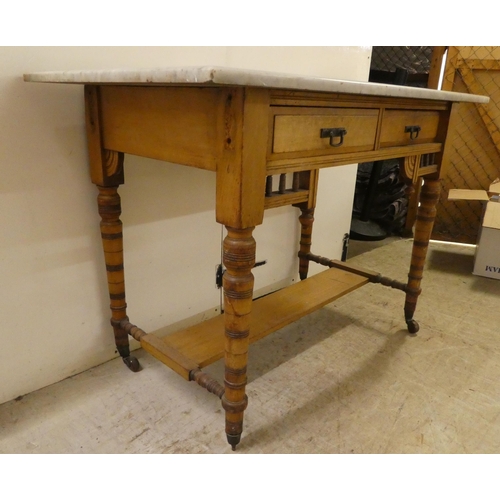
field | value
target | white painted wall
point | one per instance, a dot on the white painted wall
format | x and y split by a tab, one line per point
53	299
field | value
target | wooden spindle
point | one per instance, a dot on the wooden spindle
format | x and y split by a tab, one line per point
269	185
282	185
132	330
372	276
207	382
296	181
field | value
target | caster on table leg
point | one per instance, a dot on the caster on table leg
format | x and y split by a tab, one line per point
233	440
132	363
413	326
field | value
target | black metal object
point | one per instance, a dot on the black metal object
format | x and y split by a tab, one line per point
345	247
219	272
332	133
413	130
132	364
260	263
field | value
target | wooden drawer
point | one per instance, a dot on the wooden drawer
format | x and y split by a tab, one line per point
402	128
300	131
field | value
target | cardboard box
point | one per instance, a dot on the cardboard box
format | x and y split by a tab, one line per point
487	257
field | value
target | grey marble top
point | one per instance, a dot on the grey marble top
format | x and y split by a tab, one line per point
217	75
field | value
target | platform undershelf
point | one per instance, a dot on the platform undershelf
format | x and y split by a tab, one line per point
203	344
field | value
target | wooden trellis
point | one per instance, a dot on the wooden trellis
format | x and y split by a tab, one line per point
475	158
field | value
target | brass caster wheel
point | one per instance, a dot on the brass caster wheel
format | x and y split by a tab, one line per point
132	363
413	326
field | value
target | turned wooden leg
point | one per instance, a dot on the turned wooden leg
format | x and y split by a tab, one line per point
108	202
306	223
239	258
412	194
426	214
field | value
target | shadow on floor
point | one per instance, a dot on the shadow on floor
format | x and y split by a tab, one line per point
450	261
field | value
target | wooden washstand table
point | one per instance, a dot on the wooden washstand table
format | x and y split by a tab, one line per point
248	126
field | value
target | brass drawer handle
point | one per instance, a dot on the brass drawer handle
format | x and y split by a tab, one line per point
414	130
332	133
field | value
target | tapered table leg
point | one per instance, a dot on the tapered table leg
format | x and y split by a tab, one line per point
239	258
426	215
109	206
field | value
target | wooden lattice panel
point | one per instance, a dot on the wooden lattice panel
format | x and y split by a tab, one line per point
475	158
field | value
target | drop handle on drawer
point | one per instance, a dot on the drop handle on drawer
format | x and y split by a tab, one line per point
413	130
334	133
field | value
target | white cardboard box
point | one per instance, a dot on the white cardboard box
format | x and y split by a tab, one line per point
487	257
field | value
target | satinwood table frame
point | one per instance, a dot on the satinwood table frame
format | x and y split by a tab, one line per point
246	133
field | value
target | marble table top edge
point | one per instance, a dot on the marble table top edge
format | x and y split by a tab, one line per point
218	75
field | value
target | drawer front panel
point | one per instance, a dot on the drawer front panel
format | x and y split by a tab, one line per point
354	130
402	128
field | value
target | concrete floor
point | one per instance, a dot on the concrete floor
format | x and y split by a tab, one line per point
346	379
